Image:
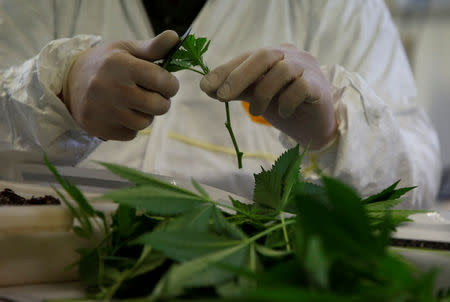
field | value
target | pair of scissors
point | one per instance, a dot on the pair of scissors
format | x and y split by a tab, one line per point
174	49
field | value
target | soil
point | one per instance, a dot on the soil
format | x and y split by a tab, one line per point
9	198
421	244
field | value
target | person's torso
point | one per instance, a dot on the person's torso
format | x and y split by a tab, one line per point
191	139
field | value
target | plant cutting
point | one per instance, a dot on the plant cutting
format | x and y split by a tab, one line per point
189	57
298	241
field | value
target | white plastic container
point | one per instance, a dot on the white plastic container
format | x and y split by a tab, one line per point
36	242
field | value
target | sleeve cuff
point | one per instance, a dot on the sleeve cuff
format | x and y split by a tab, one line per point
64	136
41	120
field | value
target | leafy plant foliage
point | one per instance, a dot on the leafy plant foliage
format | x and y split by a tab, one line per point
166	243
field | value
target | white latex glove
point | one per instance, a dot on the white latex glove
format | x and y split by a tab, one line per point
114	90
284	85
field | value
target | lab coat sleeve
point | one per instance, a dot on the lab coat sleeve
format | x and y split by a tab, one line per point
384	136
32	118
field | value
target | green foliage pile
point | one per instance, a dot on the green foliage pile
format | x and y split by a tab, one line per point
297	242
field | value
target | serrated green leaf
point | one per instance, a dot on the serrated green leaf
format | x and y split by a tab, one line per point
286	160
316	218
400	192
148	261
143	179
199	188
215	274
382	205
196	219
199	43
177	65
274	185
156	200
79	198
222	227
383	195
180	275
182	55
190	45
303	188
86	230
388	193
291	176
347	208
186	244
190	55
397	216
71	189
241	207
206	47
268	190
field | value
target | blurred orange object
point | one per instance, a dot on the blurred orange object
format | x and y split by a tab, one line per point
255	118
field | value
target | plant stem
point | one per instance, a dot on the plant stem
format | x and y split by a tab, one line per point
285	234
115	287
283	204
269	230
203	67
239	154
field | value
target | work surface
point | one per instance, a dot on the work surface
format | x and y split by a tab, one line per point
443	205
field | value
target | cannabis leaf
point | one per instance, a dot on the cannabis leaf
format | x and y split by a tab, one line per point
273	187
382	204
83	212
189	56
154	200
390	193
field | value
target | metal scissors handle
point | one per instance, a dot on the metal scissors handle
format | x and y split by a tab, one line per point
174	49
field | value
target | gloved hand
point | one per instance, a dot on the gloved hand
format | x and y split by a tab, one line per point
284	85
114	90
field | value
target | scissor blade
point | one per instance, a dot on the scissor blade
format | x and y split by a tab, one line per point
174	49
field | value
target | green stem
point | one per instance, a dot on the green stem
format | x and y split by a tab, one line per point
125	275
269	230
285	234
239	154
284	200
113	289
203	67
283	223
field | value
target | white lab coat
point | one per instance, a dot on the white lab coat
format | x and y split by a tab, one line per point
383	137
432	69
